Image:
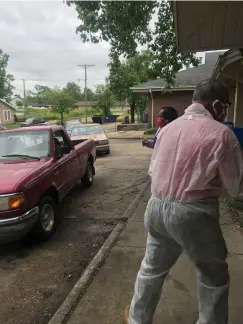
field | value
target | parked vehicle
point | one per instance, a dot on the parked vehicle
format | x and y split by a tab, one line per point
38	166
70	124
36	121
2	127
91	131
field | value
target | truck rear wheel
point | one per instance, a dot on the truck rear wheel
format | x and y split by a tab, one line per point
88	178
47	221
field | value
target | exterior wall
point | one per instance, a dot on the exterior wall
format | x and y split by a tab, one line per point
3	108
180	100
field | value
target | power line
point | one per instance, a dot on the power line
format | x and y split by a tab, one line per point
86	66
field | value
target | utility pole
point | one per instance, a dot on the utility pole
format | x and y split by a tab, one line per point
25	103
86	66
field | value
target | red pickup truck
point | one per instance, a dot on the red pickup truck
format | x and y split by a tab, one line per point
38	166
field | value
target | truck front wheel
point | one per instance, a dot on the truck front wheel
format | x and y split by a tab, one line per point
47	220
88	178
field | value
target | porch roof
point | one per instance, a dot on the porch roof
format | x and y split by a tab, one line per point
208	25
229	67
186	80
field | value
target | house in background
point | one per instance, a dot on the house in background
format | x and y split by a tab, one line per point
180	96
84	104
93	104
7	112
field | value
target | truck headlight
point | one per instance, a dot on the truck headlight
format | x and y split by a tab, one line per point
9	202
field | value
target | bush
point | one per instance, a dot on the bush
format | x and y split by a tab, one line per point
48	114
150	131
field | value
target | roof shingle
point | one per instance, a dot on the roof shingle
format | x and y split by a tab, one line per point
189	77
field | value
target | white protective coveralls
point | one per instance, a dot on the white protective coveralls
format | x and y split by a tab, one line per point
193	157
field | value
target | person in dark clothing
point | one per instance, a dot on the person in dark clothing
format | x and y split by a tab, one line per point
166	116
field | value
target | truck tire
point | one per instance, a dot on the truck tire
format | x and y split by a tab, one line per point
88	178
46	223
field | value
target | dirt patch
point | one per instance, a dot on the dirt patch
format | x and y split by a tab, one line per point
236	207
42	276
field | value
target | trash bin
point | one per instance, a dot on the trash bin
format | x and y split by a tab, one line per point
238	131
229	123
98	119
111	118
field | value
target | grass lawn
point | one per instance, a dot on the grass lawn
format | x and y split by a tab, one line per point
12	126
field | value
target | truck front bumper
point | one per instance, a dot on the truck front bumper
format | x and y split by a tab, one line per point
15	228
102	148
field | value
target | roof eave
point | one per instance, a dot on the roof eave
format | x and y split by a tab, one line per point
8	104
224	60
161	89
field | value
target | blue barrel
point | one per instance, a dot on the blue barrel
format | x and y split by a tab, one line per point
229	123
238	131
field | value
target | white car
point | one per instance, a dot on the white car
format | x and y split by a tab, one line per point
91	131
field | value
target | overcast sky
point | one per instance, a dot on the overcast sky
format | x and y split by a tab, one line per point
41	39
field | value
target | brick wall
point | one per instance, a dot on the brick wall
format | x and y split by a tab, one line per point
180	100
4	107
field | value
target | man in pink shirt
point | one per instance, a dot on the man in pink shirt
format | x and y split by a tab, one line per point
194	157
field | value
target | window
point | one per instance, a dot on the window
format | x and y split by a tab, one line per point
7	115
33	143
61	138
86	130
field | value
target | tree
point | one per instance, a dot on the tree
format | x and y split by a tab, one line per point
61	101
105	98
41	95
6	88
74	90
91	96
123	75
19	103
130	25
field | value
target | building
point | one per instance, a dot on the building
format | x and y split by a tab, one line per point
180	96
215	25
7	112
84	104
93	104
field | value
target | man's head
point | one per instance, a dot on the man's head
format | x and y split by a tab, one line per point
214	96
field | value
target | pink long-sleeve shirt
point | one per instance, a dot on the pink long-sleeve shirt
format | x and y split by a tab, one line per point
194	157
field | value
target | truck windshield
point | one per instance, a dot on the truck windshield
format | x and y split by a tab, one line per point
22	145
87	130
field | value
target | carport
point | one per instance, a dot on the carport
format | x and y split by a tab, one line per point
215	25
